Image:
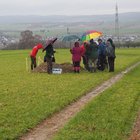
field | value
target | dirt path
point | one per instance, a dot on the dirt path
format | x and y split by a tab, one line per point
48	128
136	130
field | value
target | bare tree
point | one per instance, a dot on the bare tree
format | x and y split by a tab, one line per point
27	40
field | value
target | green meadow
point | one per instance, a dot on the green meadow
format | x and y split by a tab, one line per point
28	98
109	116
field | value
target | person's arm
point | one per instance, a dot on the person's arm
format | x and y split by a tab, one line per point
44	49
71	51
54	51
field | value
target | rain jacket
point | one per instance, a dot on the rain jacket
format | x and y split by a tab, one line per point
49	51
35	50
83	50
110	51
102	49
76	54
93	51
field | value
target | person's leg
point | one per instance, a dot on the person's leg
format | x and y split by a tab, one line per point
98	64
90	65
102	63
113	60
84	61
49	65
106	63
74	67
34	62
95	64
45	59
112	64
86	64
31	63
78	66
109	63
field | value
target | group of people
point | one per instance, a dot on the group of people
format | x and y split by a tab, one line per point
95	56
49	56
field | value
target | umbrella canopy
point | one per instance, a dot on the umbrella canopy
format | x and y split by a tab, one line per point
91	35
70	38
49	41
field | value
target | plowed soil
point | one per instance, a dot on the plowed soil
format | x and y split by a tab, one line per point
136	130
66	67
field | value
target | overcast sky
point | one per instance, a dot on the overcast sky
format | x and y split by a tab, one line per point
66	7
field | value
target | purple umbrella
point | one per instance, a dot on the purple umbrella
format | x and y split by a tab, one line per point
50	41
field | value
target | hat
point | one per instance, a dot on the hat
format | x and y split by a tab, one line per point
76	44
99	39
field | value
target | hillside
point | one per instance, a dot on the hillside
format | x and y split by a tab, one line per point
124	17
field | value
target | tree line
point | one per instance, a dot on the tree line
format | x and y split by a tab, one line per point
28	41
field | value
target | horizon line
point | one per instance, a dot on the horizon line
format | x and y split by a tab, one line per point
69	15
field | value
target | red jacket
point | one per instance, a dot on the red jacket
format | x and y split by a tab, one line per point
35	50
83	49
76	54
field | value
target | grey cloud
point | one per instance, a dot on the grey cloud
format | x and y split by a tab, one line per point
65	7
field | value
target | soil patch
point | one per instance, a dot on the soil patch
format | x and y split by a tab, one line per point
66	67
136	130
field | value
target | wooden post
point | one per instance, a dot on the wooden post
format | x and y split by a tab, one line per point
27	64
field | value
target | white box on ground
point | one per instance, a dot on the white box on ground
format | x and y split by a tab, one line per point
57	71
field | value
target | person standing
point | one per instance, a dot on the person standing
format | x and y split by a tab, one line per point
110	50
83	48
93	56
33	55
101	55
76	52
87	52
49	56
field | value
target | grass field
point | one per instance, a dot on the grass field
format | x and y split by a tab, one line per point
109	116
27	98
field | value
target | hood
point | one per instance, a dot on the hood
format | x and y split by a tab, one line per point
40	46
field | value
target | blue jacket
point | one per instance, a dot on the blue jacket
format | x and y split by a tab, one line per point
101	49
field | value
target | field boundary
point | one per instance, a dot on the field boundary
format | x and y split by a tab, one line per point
49	127
136	129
